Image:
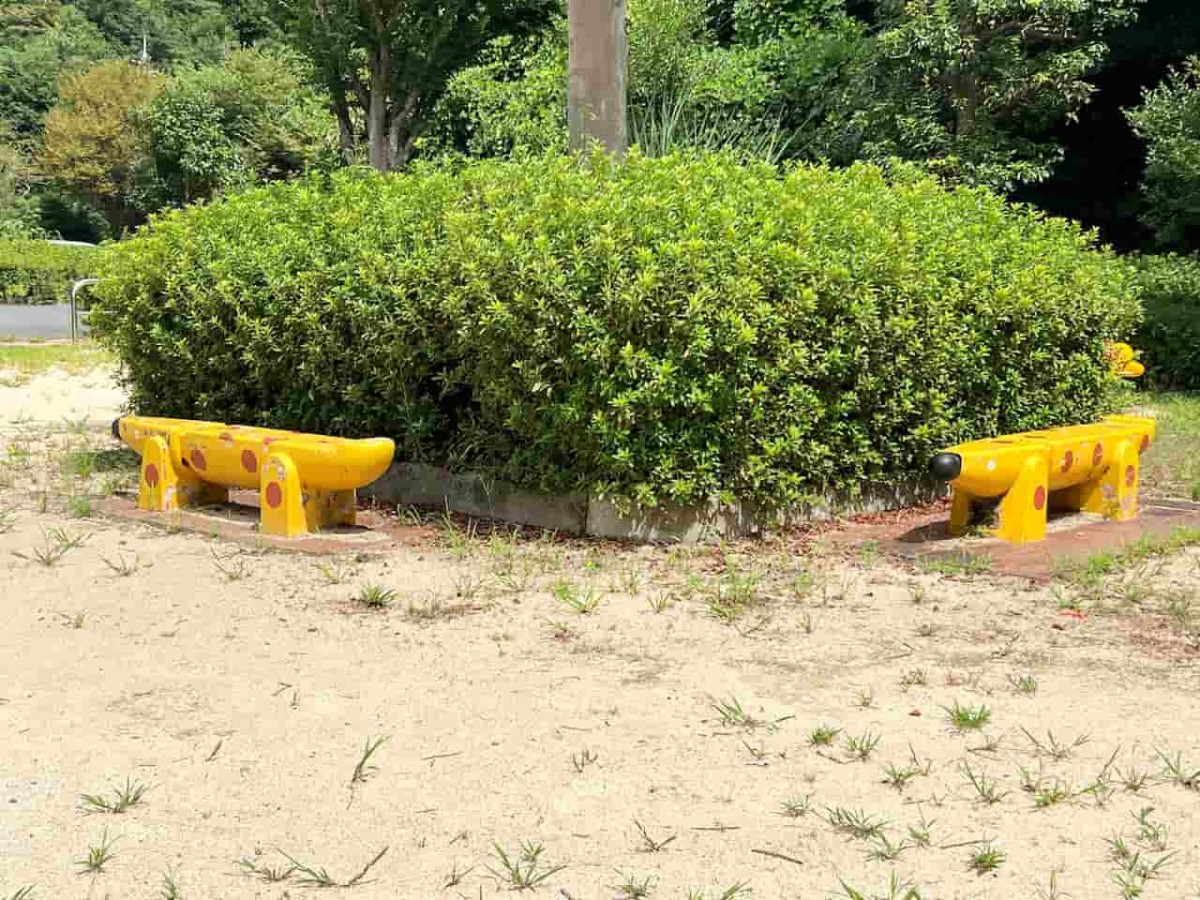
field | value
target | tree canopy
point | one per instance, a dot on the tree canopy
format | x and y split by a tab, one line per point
1169	121
391	59
90	148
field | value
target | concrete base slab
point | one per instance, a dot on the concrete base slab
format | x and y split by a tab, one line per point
1073	536
472	494
237	522
669	524
415	484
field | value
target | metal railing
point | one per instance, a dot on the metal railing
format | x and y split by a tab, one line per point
81	283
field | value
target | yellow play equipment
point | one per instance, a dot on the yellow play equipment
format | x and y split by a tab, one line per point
1093	468
1123	363
306	482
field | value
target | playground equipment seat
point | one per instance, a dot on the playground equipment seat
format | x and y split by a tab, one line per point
1093	468
306	482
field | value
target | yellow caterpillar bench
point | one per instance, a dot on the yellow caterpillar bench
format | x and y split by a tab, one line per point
1094	468
306	482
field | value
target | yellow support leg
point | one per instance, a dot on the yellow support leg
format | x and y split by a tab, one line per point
1114	494
1023	510
159	486
281	497
165	486
960	512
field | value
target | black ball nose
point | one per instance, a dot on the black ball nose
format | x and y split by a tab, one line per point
945	466
116	429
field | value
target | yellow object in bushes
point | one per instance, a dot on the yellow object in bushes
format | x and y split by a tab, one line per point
306	482
1093	468
1123	362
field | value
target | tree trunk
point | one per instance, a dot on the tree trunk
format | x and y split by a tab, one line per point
596	74
378	143
341	110
966	80
966	104
403	131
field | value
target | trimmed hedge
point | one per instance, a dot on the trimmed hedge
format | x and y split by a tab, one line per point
671	329
1170	335
38	272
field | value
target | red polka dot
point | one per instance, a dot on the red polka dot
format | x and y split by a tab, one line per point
249	461
268	441
1130	476
1098	455
198	460
1145	442
1039	498
226	438
274	495
152	475
1068	461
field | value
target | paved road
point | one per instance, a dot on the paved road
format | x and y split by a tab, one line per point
28	322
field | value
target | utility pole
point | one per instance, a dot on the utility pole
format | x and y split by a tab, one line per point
596	74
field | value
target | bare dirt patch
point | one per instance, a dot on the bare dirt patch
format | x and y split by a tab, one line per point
655	721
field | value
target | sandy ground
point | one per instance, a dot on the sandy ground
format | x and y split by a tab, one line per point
55	398
245	702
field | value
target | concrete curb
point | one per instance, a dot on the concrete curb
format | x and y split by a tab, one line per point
472	494
415	484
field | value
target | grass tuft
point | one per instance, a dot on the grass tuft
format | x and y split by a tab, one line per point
122	567
968	718
1052	793
860	746
854	823
796	807
631	888
363	768
1054	748
894	890
584	600
732	713
232	567
732	594
650	844
374	596
98	855
311	876
335	571
583	759
1023	684
56	543
525	870
823	735
987	789
986	858
124	797
170	886
732	892
1176	771
270	874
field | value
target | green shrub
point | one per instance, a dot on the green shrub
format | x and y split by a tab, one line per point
251	118
1170	335
668	329
514	101
40	272
1168	121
